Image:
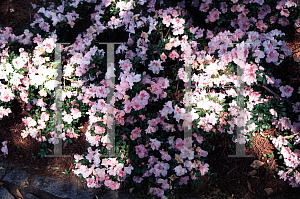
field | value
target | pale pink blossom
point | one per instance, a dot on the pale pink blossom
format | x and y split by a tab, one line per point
283	21
180	171
273	112
223	7
272	56
296	128
6	95
68	118
204	169
4	148
155	66
49	44
28	121
283	124
165	155
286	91
187	153
184	180
45	116
296	107
44	26
99	129
75	113
213	15
284	12
136	132
174	55
160	169
155	144
4	112
137	179
279	141
204	7
19	63
51	84
141	151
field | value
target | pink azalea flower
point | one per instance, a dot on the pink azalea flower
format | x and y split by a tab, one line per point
141	151
45	116
28	121
279	141
165	155
125	65
128	170
49	44
137	179
223	7
99	129
75	113
284	12
209	34
166	20
160	169
155	66
4	112
187	153
6	95
4	149
204	169
179	144
155	144
296	107
165	185
273	19
296	128
180	171
249	77
204	7
286	91
201	152
174	55
184	180
272	56
136	132
67	118
261	25
18	63
91	182
213	15
85	171
44	26
157	191
283	124
111	184
283	21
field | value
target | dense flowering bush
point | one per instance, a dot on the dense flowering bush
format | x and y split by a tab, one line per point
160	41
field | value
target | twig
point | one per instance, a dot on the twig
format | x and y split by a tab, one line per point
224	165
232	170
167	32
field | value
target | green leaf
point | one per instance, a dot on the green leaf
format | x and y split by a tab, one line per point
212	181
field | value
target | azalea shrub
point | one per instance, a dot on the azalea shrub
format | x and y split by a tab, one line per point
160	42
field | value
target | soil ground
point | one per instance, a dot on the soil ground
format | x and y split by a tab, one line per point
233	179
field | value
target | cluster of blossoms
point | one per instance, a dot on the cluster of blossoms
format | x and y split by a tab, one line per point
291	160
148	138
